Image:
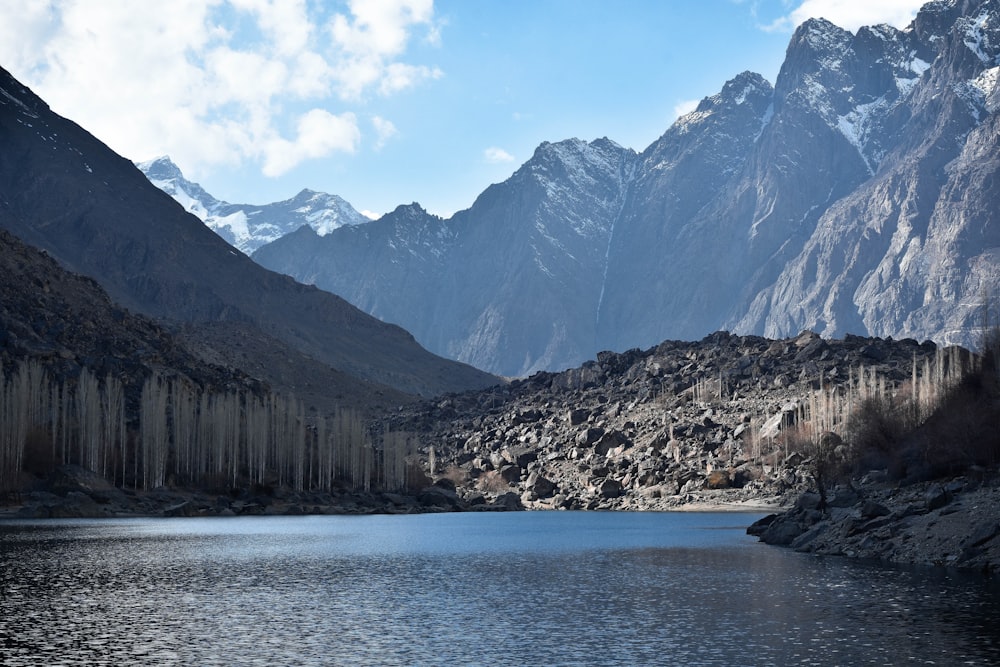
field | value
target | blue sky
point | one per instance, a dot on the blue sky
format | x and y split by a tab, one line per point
386	102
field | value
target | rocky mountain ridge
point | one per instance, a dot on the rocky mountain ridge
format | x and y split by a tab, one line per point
855	195
249	226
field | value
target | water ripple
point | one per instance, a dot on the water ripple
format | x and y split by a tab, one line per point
519	589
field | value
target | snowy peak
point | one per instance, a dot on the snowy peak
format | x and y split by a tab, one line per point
746	88
161	168
164	174
748	92
249	226
576	164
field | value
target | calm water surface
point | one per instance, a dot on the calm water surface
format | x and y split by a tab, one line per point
559	588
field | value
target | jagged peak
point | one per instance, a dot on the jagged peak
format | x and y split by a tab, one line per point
571	149
161	167
882	31
743	85
821	34
411	210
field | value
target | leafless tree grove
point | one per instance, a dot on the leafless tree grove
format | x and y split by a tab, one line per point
182	434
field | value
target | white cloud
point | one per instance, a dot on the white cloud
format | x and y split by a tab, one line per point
372	37
398	77
850	14
685	107
384	130
318	133
214	82
495	155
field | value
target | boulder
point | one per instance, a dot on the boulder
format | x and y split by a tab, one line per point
540	485
511	474
68	478
782	530
871	509
936	497
610	488
435	496
610	440
589	436
509	501
520	456
74	505
982	534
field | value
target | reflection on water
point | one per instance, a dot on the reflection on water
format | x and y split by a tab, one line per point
469	589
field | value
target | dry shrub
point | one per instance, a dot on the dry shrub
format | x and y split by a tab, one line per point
457	475
963	431
492	481
875	430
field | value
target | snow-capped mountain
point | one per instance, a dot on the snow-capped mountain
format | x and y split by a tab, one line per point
858	194
249	226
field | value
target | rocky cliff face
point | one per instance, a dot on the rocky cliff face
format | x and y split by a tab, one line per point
249	226
63	191
858	194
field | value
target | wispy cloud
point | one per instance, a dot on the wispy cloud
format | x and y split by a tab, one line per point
271	82
384	131
848	14
685	107
495	155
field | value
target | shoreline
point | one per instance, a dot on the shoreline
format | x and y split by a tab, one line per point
952	522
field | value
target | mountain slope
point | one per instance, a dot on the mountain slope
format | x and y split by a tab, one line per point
916	249
64	191
248	226
857	195
510	284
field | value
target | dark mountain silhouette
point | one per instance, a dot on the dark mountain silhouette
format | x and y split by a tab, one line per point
64	191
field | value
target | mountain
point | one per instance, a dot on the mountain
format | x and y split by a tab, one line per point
857	194
248	226
65	192
67	322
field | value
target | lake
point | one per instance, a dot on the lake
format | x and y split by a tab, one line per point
524	588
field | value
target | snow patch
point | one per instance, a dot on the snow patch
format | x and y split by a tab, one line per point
235	222
986	82
977	37
191	204
979	93
25	109
765	120
688	121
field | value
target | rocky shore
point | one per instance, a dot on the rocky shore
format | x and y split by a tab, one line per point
74	492
953	523
683	424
